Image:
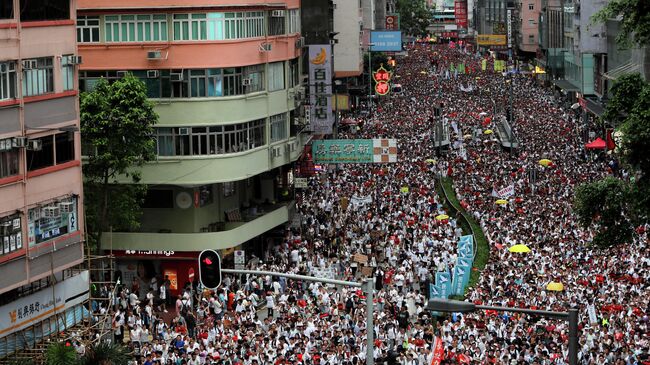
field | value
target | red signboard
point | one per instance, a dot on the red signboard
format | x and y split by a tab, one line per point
381	75
392	22
382	88
460	13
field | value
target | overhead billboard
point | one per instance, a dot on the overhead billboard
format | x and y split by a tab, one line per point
491	40
354	151
386	41
460	13
321	117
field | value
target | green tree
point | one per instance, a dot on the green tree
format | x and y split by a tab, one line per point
414	17
635	20
104	353
602	205
624	95
60	353
117	123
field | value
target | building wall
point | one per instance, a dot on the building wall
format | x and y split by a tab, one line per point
209	55
45	100
368	13
347	52
528	31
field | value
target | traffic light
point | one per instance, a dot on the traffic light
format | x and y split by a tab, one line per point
210	269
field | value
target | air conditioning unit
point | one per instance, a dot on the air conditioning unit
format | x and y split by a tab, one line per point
154	55
30	64
152	74
176	76
277	13
19	142
66	207
183	131
296	121
35	145
51	212
75	60
246	82
266	47
300	42
122	73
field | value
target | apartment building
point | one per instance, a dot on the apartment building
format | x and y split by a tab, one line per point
41	215
225	77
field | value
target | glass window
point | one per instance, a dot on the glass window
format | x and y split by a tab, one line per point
7	80
228	188
43	157
8	159
278	127
215	26
276	76
277	23
294	21
6	9
234	25
232	81
11	234
255	75
190	27
67	73
136	28
254	24
38	76
531	6
64	145
87	29
37	10
294	73
214	140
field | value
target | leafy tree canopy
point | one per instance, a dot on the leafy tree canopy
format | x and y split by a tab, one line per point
635	20
117	124
601	205
414	17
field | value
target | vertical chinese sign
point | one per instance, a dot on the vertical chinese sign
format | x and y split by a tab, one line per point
460	13
320	88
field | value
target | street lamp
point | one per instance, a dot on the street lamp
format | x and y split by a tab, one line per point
457	306
370	45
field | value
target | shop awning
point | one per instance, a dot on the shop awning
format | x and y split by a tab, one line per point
597	144
566	85
594	106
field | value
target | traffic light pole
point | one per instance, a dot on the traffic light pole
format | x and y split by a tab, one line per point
366	286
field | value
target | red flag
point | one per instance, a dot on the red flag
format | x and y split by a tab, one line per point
610	141
438	351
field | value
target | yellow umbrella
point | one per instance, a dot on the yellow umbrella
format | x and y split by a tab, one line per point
404	189
442	217
467	136
501	202
553	286
519	248
487	131
430	160
545	162
423	72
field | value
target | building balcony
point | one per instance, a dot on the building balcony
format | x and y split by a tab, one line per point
229	234
210	169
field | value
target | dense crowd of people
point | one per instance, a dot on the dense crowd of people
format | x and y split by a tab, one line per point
359	221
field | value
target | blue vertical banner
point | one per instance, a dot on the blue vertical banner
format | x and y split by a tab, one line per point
443	282
458	282
434	292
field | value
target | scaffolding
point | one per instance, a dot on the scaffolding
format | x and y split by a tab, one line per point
85	322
